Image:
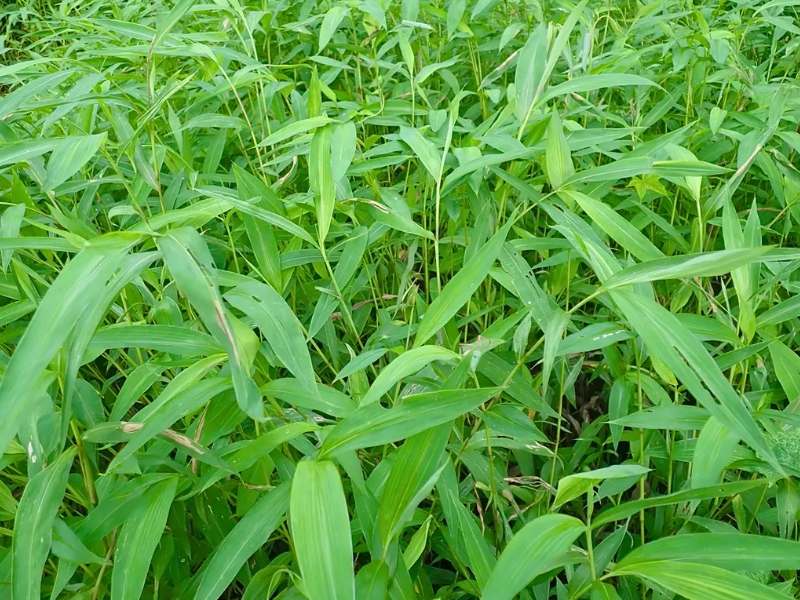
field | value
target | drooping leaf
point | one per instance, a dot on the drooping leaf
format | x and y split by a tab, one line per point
732	551
279	325
190	264
424	149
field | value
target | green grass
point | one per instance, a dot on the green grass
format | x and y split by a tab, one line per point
398	300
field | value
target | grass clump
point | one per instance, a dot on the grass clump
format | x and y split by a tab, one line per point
406	300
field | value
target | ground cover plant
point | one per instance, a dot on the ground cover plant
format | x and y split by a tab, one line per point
399	300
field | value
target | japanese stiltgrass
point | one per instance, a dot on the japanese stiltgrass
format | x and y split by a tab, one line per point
395	300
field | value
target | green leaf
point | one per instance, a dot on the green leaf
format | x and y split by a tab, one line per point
668	340
530	72
68	546
269	217
33	526
68	158
780	313
249	534
295	129
617	228
519	387
707	264
330	23
620	169
343	148
166	23
590	83
372	581
732	551
321	531
265	249
679	418
76	288
16	152
458	291
561	42
190	264
593	337
399	221
712	453
415	471
406	364
424	150
248	453
374	425
138	538
553	334
293	392
787	368
248	188
279	325
464	535
557	155
12	101
623	511
9	228
346	268
360	362
320	177
166	410
687	168
137	383
716	118
575	485
603	591
116	507
702	582
417	544
455	11
743	280
160	338
531	552
430	69
487	161
527	288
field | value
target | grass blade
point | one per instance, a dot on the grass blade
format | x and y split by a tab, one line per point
531	552
321	530
189	262
406	364
33	526
458	291
279	325
76	287
703	582
374	425
138	538
243	541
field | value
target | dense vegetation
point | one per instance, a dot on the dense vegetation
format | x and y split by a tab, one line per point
346	299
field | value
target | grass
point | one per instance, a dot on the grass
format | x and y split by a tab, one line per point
371	300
